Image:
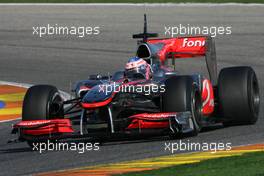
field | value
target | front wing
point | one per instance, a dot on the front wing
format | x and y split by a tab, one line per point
174	122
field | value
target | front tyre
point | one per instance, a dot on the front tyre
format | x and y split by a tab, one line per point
42	102
238	94
181	95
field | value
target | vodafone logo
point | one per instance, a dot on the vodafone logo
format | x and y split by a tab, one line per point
165	115
192	43
34	123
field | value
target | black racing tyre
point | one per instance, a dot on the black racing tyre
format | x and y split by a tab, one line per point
42	102
238	96
182	94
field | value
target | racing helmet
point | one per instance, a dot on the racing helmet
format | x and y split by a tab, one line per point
137	66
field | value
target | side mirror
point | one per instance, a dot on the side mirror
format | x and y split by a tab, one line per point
95	77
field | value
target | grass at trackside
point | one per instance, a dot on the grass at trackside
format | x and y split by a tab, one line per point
249	164
130	1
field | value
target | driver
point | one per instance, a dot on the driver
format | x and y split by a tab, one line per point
136	65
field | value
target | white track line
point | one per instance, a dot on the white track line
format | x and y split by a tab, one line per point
135	4
3	121
15	84
64	95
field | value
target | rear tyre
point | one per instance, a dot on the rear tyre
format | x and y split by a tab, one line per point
238	94
42	102
182	94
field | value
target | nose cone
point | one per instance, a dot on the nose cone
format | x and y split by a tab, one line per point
98	93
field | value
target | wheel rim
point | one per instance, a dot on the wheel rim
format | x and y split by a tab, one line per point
255	98
196	109
53	108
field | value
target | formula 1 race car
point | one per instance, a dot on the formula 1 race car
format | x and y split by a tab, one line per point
129	103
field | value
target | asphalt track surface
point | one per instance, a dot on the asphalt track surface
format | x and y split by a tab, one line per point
60	61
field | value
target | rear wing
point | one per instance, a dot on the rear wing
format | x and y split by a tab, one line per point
186	47
160	50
